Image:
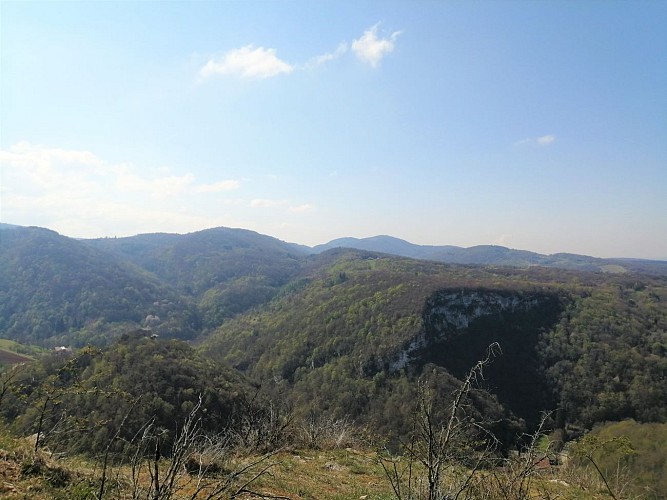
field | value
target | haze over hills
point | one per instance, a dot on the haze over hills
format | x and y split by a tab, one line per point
141	248
145	249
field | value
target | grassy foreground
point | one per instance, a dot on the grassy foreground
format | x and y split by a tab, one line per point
348	473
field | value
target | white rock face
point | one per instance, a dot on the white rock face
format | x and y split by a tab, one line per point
404	356
449	312
457	310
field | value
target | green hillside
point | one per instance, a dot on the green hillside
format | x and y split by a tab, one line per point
357	327
495	255
81	400
227	271
30	351
347	332
56	290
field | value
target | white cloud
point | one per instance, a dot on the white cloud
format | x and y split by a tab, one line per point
247	62
371	49
158	187
77	193
301	209
329	56
25	154
260	62
544	140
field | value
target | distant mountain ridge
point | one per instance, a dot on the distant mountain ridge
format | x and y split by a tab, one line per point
145	250
494	255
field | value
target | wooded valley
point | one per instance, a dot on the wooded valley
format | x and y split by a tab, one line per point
272	346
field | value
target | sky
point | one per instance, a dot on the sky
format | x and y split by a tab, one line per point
537	125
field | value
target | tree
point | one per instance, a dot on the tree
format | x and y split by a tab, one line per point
441	441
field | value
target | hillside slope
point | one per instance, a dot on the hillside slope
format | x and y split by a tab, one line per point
358	328
54	289
227	271
81	399
349	332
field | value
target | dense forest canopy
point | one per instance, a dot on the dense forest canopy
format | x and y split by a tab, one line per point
80	400
57	290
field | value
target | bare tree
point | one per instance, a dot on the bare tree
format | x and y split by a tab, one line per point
437	445
262	427
193	466
7	379
514	476
105	462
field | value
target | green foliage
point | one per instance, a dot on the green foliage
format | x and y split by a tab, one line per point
632	455
607	357
336	339
344	333
379	302
228	271
227	300
356	327
52	287
80	402
31	351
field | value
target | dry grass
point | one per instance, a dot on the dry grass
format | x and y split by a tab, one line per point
296	474
336	474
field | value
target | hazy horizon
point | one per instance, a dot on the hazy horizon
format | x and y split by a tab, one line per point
532	125
335	239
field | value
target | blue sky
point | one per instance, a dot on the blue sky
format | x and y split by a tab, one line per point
535	125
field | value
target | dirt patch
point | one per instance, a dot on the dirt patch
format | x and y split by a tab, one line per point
12	358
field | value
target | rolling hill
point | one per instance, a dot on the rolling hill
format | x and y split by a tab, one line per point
494	255
226	271
57	290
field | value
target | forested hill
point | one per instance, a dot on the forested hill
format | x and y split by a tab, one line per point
226	271
495	255
358	326
56	290
134	382
196	262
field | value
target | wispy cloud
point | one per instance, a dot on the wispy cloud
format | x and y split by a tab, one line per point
329	56
162	186
301	209
247	62
544	140
371	49
261	63
75	191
